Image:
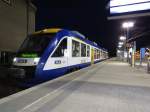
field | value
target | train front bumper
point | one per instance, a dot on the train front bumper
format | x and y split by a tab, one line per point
17	73
13	73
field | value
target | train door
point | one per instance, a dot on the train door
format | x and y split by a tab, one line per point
92	55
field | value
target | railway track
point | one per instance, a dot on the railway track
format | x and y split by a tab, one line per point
8	87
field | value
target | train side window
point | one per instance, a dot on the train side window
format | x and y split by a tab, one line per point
75	49
102	54
99	54
83	50
95	54
59	52
88	51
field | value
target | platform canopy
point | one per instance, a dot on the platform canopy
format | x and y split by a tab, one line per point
120	9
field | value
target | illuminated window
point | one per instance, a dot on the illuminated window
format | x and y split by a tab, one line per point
83	50
88	51
95	56
75	49
98	54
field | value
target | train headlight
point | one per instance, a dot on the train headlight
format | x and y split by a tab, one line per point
36	60
15	59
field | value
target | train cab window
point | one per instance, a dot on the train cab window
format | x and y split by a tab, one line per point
75	49
35	44
83	50
88	51
59	52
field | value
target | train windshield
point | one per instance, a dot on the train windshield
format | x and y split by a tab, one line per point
35	44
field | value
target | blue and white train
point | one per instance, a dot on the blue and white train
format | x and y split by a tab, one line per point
50	53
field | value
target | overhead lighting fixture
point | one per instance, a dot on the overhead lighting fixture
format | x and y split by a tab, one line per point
120	43
130	8
122	38
118	51
119	46
122	6
128	24
114	3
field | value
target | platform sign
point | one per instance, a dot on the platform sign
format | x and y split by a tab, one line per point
128	8
142	53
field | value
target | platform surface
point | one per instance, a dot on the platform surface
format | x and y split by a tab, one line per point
108	86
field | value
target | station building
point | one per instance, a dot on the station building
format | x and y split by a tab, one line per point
17	20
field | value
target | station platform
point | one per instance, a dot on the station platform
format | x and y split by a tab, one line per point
108	86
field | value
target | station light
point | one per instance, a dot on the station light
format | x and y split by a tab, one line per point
118	51
119	46
128	24
120	43
130	8
124	6
114	3
122	38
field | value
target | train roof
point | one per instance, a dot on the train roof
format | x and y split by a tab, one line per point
47	31
72	33
82	37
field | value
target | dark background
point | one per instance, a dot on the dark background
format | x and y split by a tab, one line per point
89	17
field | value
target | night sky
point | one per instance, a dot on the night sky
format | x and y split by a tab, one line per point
89	17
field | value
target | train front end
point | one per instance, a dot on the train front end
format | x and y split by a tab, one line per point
24	66
25	63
